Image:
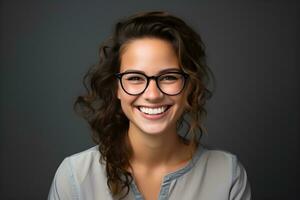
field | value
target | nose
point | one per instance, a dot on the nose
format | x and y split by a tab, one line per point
152	92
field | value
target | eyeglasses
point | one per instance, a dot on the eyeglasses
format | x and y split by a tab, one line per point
135	83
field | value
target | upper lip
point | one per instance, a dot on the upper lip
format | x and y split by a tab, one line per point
153	106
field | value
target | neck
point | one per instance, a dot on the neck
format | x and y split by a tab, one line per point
156	150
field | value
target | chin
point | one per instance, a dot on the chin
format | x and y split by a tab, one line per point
155	129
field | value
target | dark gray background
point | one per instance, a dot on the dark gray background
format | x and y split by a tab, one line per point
47	46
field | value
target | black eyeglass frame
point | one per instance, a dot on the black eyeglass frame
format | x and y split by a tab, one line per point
185	76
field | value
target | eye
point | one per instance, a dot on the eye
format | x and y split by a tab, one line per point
169	78
134	78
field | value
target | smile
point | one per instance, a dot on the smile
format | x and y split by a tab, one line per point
153	111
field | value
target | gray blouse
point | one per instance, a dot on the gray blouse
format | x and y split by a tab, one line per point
210	175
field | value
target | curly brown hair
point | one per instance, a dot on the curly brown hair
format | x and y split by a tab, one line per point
101	107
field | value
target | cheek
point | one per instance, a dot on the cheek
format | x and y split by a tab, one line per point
187	92
127	105
118	94
125	99
180	103
184	98
118	91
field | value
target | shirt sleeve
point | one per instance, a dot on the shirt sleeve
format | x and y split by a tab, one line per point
240	188
63	186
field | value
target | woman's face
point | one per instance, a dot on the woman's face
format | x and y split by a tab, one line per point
151	112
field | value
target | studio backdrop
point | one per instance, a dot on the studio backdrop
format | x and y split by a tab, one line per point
252	48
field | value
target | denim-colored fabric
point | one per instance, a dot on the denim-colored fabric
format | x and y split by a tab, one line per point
210	175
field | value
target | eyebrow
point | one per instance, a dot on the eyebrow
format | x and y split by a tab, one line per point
160	72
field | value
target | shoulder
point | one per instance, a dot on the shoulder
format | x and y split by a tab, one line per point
83	163
220	162
212	164
84	158
219	159
217	154
222	168
75	172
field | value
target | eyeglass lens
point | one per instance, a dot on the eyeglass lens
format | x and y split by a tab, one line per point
169	83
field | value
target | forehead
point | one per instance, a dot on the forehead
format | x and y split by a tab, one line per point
149	55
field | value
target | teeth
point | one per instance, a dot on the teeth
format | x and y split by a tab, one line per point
153	111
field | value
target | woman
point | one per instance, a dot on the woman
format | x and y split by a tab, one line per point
151	77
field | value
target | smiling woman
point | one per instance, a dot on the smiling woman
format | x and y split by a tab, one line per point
149	56
151	75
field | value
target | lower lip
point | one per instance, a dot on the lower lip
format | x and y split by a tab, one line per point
153	117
